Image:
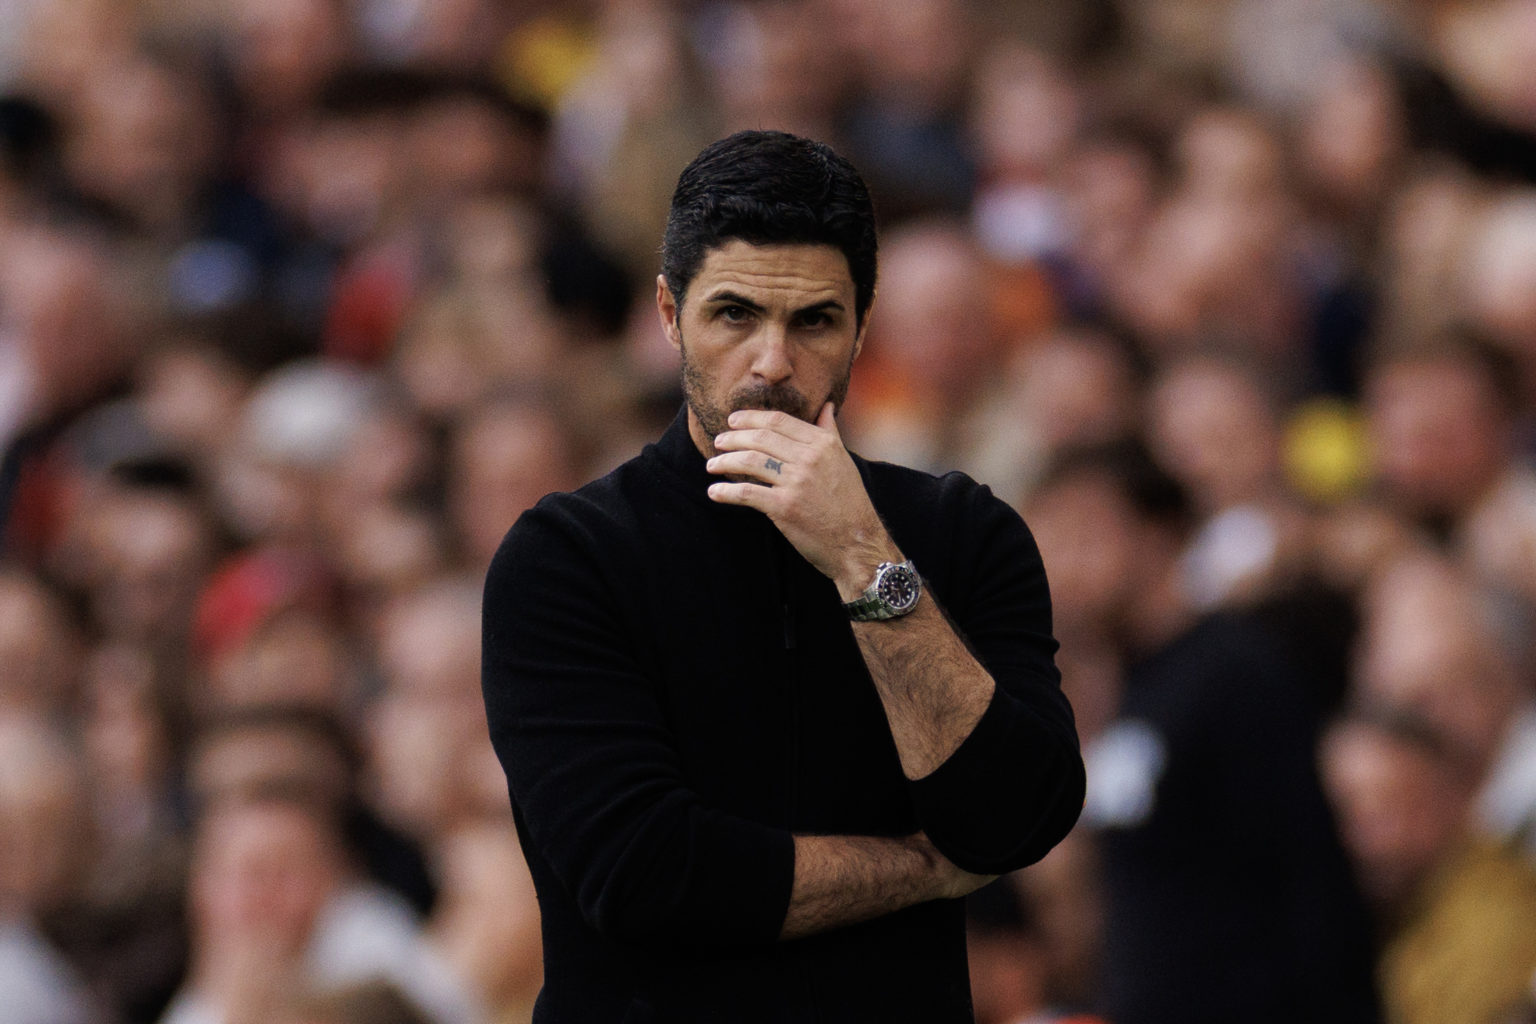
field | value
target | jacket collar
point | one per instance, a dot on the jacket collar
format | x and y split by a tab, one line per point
677	452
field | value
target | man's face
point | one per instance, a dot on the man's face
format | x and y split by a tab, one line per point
1436	433
762	327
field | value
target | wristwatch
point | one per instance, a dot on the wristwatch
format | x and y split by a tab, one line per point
895	592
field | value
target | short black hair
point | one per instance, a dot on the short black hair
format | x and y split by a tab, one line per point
770	188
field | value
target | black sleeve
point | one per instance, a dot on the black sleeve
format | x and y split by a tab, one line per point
592	765
1014	787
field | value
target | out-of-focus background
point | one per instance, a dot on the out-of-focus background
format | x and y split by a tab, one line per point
303	301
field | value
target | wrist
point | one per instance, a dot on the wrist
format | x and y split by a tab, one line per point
860	563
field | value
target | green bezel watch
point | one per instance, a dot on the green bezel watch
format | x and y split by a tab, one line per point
894	593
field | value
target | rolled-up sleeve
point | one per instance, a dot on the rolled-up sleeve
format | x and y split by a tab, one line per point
591	763
1014	787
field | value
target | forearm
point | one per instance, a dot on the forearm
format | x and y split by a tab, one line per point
842	880
933	689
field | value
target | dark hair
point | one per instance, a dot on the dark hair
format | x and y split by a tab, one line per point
770	188
1152	493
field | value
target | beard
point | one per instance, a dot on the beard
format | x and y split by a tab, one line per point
713	416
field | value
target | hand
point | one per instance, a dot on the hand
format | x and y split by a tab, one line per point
801	476
950	882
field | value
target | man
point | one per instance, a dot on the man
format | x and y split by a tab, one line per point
750	782
1443	420
1227	895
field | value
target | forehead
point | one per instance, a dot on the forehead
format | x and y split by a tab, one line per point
794	274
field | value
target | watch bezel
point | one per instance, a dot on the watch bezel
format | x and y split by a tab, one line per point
893	575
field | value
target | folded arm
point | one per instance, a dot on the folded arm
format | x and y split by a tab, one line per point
842	880
991	750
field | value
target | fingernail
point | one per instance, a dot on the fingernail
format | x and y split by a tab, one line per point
711	463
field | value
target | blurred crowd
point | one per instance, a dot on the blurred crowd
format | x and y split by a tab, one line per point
303	301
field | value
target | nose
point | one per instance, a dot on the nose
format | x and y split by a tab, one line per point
771	362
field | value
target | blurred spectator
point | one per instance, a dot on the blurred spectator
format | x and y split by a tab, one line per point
930	340
436	778
275	906
1350	153
1212	424
282	51
1026	120
43	856
127	930
1075	386
506	455
905	128
427	737
1437	644
68	334
1472	90
1442	420
1499	279
467	340
38	647
1064	893
1428	220
487	922
774	66
1216	261
451	34
1402	789
265	632
369	1002
295	428
144	141
145	551
1203	791
1009	965
627	126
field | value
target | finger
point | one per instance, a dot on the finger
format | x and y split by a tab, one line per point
752	464
750	495
765	440
769	419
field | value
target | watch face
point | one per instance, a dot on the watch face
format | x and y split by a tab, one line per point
900	588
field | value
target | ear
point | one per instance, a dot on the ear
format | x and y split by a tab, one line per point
858	339
666	309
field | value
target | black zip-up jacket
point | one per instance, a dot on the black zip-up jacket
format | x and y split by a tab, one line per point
674	692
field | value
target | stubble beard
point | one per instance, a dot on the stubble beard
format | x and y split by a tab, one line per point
774	397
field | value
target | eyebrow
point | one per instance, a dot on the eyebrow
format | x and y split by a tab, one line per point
732	298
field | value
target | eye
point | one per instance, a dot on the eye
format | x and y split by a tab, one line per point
815	320
734	314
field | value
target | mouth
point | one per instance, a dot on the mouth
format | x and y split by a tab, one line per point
772	399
